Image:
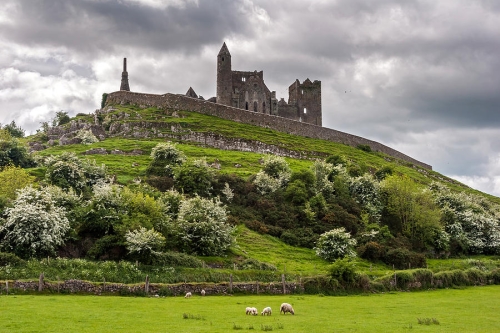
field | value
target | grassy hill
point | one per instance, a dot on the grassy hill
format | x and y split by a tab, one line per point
132	129
175	125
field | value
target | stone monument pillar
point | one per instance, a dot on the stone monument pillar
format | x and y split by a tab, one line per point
124	85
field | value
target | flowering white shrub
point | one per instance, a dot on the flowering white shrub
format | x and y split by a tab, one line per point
166	151
35	226
228	192
273	176
335	244
321	171
144	242
471	222
202	226
366	191
68	171
86	136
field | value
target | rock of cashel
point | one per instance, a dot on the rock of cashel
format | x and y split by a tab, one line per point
244	97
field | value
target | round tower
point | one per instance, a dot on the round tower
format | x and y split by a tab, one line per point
224	76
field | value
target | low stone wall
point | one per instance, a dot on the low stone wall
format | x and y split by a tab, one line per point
181	102
84	287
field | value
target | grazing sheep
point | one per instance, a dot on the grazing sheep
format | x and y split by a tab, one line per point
202	292
188	295
285	307
251	311
267	311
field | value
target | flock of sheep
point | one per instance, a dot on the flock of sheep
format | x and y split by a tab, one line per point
285	307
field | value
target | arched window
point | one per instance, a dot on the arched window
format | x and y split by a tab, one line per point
255	106
263	107
222	58
246	105
243	79
305	110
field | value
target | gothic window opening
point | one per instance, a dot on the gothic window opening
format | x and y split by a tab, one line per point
263	107
255	106
243	79
222	58
246	105
305	110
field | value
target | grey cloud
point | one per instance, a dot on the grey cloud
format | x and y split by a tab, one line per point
96	26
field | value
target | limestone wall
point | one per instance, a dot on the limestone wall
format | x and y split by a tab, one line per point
180	102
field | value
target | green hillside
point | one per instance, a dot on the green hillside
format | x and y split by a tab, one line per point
322	186
194	122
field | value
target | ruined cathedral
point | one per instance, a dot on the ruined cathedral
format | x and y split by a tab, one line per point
247	90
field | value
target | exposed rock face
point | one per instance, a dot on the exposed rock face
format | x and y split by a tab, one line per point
96	151
35	146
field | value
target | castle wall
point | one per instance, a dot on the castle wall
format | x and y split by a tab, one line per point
179	102
286	110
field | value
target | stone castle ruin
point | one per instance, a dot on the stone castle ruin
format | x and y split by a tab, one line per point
247	90
244	97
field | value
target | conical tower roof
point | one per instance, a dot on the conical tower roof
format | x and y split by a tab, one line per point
224	49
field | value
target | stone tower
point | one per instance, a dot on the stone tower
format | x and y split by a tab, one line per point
224	76
307	97
124	85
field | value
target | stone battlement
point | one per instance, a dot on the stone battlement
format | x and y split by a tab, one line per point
290	126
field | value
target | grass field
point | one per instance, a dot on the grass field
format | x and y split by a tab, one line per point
455	310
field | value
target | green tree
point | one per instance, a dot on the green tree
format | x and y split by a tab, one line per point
413	207
61	118
12	152
194	178
13	179
14	130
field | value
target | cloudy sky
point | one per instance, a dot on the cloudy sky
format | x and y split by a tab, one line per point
420	76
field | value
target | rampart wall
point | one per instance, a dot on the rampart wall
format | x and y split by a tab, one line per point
184	103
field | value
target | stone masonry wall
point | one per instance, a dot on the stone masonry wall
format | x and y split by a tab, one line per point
85	287
181	102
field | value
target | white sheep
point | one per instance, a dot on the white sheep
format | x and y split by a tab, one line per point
188	295
267	311
285	307
251	311
202	292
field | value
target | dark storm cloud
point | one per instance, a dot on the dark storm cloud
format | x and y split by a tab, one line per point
101	26
445	54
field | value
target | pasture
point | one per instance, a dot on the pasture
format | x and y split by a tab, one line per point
472	309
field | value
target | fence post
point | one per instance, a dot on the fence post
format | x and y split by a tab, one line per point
40	282
146	286
231	283
283	282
